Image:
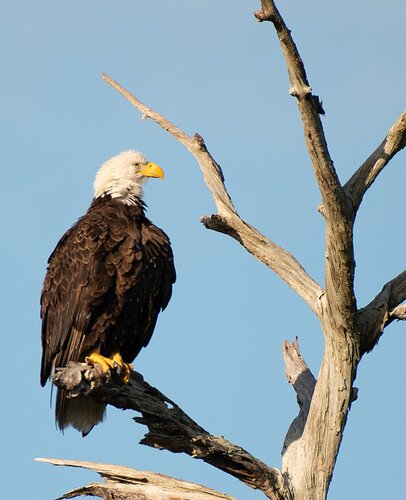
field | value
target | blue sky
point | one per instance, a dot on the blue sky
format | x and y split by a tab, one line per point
210	68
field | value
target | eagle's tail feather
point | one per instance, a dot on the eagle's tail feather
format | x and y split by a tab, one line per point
82	413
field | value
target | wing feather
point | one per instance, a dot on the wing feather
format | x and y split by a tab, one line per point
67	300
107	280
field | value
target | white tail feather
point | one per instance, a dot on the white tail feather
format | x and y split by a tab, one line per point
83	414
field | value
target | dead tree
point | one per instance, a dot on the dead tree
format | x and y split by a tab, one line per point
313	439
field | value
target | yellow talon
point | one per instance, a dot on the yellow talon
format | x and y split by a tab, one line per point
111	364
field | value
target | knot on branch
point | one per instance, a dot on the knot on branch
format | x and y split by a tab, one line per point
220	224
300	92
200	142
305	92
265	15
216	222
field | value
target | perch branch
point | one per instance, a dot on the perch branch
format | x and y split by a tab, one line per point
382	310
227	220
123	483
363	178
168	425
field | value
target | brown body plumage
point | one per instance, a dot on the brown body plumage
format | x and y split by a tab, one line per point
107	280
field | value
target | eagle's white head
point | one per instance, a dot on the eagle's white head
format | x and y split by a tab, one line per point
123	176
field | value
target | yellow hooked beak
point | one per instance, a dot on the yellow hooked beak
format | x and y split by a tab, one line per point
152	170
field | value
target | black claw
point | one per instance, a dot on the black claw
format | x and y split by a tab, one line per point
117	369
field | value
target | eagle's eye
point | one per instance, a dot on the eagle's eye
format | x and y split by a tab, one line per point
136	164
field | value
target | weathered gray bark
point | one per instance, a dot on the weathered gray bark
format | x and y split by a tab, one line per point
122	483
313	440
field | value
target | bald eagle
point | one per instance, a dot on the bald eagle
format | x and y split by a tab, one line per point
107	280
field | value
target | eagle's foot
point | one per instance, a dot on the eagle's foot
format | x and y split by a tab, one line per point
112	365
125	368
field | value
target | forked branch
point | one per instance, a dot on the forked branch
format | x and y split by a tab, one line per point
227	220
309	107
336	206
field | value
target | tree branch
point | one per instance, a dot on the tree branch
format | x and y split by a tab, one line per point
398	313
364	177
123	483
382	310
303	381
272	255
309	107
169	427
211	170
336	207
227	220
